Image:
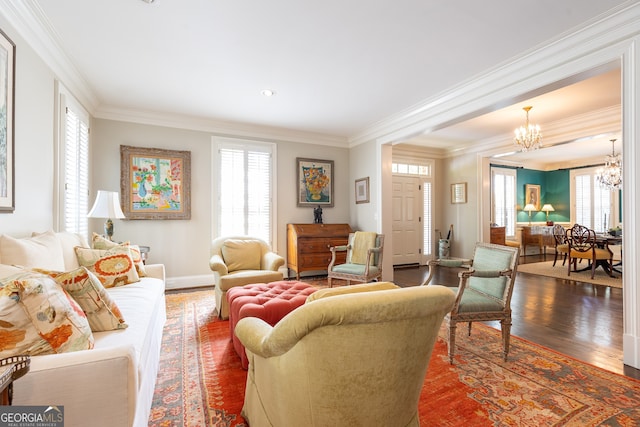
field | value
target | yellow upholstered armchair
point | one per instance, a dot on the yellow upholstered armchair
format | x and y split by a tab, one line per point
364	258
485	286
239	261
351	356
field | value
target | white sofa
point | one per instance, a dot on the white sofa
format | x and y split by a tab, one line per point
113	383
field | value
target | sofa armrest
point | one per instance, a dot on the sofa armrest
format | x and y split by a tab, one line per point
98	385
217	265
155	271
272	261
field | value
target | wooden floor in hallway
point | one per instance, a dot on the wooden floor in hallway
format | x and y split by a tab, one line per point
581	320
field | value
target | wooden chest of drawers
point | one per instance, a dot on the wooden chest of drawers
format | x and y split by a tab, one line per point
308	245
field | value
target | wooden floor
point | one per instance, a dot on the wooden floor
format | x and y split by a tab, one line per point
580	320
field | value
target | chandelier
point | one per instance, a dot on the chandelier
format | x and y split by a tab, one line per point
528	136
610	175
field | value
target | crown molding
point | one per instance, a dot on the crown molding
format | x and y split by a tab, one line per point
219	127
32	25
517	79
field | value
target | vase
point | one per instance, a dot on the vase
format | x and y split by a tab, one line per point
142	191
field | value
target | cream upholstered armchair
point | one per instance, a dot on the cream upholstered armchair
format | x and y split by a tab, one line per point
354	355
363	261
239	261
484	291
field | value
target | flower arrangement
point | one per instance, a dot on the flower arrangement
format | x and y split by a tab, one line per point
315	180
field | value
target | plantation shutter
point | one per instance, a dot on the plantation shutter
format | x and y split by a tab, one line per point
427	243
593	203
76	173
245	182
504	199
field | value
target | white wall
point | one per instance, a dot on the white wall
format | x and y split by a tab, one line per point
34	110
184	245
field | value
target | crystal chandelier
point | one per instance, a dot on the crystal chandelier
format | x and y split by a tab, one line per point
528	136
610	175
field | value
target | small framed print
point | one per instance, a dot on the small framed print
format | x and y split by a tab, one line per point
362	190
459	192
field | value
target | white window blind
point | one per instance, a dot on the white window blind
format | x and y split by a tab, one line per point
75	202
504	199
245	190
593	204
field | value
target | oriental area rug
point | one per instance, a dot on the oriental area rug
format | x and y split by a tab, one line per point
201	382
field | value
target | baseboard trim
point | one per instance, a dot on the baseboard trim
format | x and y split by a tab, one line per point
184	282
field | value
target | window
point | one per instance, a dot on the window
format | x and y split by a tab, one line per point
503	197
427	223
244	189
593	206
73	166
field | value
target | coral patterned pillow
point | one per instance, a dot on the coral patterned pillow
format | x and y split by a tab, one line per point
87	290
114	267
100	242
39	317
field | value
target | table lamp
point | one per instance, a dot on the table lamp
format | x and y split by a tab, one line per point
548	208
107	205
529	208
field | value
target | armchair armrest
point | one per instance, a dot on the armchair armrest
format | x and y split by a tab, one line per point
272	261
333	250
217	265
485	273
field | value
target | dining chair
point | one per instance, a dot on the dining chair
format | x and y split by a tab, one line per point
484	290
561	243
583	245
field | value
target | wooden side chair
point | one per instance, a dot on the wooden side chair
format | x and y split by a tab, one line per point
484	290
364	258
583	245
561	243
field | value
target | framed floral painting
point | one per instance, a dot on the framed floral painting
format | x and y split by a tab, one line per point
155	183
315	182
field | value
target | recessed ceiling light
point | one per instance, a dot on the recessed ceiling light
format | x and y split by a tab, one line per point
268	92
148	1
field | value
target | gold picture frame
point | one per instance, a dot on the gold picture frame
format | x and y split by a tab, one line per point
155	183
362	190
459	192
532	195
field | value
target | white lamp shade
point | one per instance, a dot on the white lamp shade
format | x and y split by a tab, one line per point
107	205
529	207
547	208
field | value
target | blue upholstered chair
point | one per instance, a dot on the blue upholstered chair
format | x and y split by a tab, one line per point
363	259
484	289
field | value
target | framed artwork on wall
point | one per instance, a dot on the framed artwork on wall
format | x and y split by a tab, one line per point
459	192
315	182
155	183
7	120
532	195
362	190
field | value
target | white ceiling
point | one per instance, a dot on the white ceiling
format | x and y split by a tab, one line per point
337	67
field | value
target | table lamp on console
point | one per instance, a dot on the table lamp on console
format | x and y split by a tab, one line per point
529	208
548	208
107	205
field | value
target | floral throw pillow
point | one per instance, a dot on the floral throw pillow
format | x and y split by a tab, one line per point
101	242
87	290
114	267
39	317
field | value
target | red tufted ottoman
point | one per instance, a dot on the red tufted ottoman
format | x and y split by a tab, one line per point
269	302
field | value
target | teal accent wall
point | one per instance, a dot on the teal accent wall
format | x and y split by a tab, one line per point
554	189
